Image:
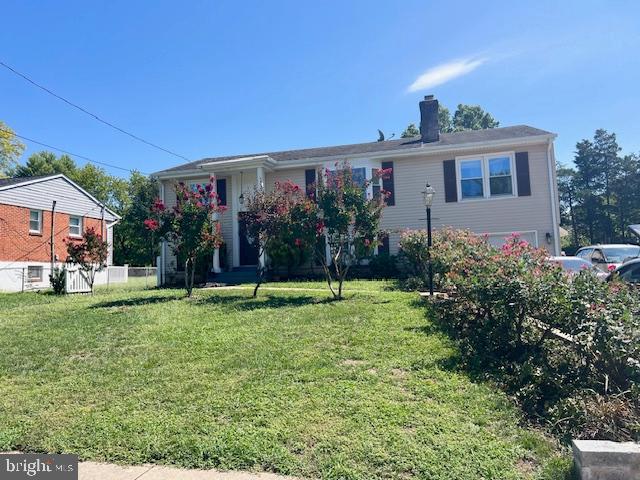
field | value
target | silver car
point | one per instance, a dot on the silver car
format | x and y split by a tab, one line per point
609	257
574	265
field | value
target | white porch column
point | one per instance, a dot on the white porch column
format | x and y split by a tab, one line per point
233	194
215	218
260	182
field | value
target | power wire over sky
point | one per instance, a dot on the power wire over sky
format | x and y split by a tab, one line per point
90	114
104	164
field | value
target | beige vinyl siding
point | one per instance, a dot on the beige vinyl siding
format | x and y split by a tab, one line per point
530	214
501	215
295	175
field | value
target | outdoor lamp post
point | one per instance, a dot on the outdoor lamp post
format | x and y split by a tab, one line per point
428	194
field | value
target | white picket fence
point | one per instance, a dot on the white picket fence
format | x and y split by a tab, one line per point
76	279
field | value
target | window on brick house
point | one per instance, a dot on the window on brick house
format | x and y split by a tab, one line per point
75	226
34	273
35	221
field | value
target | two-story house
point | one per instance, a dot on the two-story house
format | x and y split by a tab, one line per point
493	182
37	216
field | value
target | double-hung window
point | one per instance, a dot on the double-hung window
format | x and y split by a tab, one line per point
35	221
486	176
500	176
471	178
358	174
75	226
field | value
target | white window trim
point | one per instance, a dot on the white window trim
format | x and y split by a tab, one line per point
81	225
486	194
39	221
37	279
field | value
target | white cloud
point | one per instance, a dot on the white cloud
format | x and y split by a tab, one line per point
445	72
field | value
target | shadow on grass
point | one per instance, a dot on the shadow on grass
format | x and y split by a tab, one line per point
240	302
135	301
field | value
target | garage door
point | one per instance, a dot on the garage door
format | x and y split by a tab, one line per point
498	239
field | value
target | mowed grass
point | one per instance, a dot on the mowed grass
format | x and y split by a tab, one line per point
290	382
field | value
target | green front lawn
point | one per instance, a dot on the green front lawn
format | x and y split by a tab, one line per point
290	382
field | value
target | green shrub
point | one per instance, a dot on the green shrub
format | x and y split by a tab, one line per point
449	246
383	266
57	279
568	350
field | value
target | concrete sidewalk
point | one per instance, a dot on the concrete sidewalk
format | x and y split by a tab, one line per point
108	471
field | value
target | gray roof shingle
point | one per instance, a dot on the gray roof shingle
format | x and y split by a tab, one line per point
446	139
18	180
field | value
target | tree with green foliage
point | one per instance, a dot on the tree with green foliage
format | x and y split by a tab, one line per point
472	117
190	227
282	222
567	194
599	195
46	163
410	131
132	245
90	254
108	189
444	119
10	149
348	220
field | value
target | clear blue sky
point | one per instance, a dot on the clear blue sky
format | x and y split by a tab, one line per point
212	78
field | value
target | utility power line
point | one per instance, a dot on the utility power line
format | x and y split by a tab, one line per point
69	153
93	115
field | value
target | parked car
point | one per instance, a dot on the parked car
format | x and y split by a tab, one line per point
628	272
609	257
574	265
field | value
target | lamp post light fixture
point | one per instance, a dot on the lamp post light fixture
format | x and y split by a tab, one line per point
428	195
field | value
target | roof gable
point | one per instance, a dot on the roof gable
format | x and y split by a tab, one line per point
39	192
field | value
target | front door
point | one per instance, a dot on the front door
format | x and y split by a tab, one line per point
248	250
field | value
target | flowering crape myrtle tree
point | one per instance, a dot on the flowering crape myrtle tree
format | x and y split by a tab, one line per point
281	218
90	254
189	226
349	219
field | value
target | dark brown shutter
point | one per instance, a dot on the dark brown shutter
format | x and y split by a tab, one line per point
522	174
388	184
383	247
450	181
310	182
221	189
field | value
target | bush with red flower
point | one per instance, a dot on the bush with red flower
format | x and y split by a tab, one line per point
348	219
283	221
191	227
566	348
90	254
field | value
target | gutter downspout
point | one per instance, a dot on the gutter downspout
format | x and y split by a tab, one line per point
553	193
162	245
53	248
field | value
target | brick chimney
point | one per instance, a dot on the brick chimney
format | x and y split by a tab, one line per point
429	125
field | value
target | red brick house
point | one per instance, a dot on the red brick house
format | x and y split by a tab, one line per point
27	207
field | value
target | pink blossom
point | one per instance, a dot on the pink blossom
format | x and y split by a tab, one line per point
151	224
